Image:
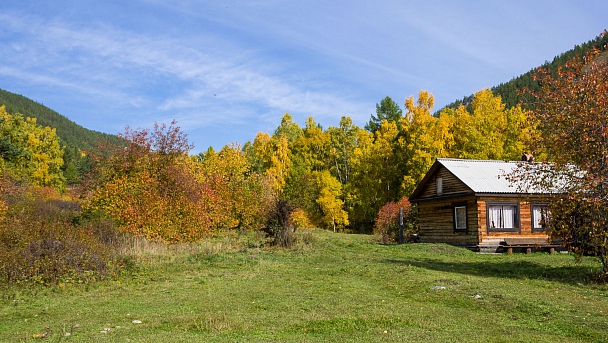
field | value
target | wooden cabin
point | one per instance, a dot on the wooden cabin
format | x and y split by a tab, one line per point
471	203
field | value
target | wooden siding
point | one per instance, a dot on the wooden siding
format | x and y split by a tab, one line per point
525	219
436	222
451	184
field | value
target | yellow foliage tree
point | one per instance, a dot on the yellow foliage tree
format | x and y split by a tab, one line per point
275	155
491	131
280	162
243	193
29	151
332	206
376	172
426	138
312	146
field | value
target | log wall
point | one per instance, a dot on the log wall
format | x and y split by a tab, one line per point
525	219
436	222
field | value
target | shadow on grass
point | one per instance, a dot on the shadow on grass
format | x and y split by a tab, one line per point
508	269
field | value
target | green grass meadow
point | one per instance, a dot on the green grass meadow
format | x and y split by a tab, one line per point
330	288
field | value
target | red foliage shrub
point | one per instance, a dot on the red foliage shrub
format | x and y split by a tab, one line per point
42	242
387	223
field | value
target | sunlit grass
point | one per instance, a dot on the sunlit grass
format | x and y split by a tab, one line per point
336	288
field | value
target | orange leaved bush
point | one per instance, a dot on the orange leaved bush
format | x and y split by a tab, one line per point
150	188
154	189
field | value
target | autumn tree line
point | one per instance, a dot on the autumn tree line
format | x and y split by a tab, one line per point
336	178
341	176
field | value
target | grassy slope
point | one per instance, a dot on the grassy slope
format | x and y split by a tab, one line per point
340	288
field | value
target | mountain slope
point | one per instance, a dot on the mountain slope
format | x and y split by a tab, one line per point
71	134
509	91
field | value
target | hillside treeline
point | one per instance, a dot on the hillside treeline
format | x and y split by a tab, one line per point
512	93
74	140
71	134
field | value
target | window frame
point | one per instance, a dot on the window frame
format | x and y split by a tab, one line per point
516	216
455	208
544	206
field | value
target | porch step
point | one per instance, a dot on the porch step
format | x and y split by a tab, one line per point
490	246
492	241
489	249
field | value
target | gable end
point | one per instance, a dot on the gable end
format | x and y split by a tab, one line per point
439	182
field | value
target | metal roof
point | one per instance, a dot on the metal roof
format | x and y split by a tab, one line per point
483	176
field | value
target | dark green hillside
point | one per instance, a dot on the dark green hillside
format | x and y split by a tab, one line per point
72	135
509	91
74	138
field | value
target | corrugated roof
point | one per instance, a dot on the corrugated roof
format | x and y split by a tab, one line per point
483	176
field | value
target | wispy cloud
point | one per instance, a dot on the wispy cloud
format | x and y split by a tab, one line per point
219	67
106	62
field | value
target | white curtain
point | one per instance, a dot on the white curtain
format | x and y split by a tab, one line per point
508	216
537	214
540	215
494	216
502	216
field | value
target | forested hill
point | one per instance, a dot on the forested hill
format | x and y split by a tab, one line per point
509	91
71	134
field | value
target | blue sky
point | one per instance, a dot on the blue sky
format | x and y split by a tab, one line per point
226	70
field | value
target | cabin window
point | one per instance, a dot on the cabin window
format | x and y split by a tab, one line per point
503	217
540	216
439	183
460	217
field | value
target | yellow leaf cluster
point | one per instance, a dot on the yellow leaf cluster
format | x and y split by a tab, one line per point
39	158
